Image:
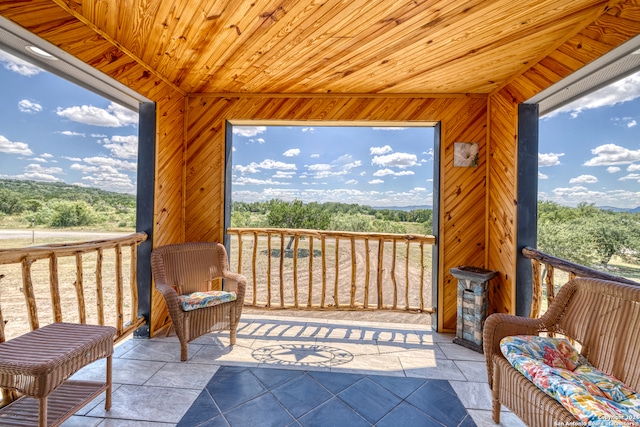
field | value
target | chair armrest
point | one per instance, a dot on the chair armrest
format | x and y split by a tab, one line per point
500	325
234	283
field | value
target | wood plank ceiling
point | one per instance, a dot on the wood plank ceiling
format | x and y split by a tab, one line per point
337	46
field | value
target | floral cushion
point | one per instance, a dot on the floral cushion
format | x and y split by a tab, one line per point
592	396
205	299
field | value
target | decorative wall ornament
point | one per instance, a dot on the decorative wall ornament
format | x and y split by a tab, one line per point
465	154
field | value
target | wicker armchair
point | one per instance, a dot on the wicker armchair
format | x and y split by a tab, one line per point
185	268
602	316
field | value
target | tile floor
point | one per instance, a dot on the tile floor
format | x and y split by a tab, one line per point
153	388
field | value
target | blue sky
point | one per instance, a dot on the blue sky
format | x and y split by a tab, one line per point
52	130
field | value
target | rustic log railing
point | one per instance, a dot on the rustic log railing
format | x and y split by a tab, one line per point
56	254
346	262
551	263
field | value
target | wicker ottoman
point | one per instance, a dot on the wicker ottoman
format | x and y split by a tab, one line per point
38	364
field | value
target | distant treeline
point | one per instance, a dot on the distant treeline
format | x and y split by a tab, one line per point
63	205
330	216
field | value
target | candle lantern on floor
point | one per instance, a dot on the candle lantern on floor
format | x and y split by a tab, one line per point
472	304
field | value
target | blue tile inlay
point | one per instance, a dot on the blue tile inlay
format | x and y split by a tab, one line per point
237	396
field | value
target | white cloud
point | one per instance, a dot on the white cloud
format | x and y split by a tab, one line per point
376	181
319	167
611	154
71	133
549	159
249	131
308	130
292	152
30	107
38	159
315	156
572	196
46	155
583	179
401	160
284	175
33	177
243	180
39	169
632	168
254	167
542	176
614	169
376	151
388	128
114	116
632	123
631	177
123	147
351	182
383	172
258	140
11	147
623	90
17	65
99	161
109	178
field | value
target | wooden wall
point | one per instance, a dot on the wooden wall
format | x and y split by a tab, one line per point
617	25
463	190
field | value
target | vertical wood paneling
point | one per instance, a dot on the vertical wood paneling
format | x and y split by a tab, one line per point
462	194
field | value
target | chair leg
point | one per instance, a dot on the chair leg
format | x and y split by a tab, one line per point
184	349
495	395
233	325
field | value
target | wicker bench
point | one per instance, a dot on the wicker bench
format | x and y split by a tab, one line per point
38	365
603	317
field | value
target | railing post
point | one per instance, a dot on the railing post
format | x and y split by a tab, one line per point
310	298
337	271
393	276
253	263
295	270
380	261
27	289
352	301
323	248
367	277
55	289
79	285
536	298
99	289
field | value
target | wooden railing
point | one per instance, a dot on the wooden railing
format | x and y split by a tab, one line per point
341	277
551	263
69	257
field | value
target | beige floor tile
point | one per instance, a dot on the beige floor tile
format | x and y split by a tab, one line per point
183	375
146	403
473	371
458	352
483	419
422	367
473	395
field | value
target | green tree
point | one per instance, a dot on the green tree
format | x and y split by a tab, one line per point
10	202
297	215
71	214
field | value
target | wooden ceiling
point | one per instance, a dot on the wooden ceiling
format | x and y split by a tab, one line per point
337	46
